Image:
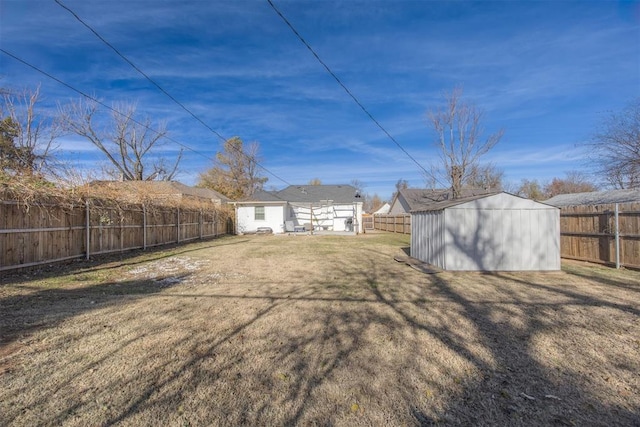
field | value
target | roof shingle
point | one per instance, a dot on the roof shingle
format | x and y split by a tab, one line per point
311	194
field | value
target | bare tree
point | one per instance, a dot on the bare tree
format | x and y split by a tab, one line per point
401	184
574	182
615	147
372	203
531	189
485	176
359	186
235	172
458	126
129	145
26	136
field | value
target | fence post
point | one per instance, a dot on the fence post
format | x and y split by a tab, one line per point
178	226
121	214
88	228
144	227
617	236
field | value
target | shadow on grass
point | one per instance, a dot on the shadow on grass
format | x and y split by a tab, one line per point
606	278
515	388
361	343
207	349
509	385
21	315
106	262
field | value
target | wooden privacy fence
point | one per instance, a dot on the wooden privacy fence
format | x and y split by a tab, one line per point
395	223
52	232
367	222
607	234
587	233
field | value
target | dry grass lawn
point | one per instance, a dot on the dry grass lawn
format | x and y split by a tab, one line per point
329	330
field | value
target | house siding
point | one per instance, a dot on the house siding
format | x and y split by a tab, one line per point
330	216
273	214
399	206
326	207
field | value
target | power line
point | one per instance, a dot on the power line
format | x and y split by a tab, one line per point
161	89
135	67
346	89
97	101
337	79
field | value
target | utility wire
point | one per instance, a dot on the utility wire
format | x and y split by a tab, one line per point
337	79
346	89
161	89
135	67
97	101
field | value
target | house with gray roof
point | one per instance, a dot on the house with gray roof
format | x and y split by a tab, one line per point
317	208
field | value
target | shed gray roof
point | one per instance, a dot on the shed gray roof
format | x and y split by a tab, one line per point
420	198
500	200
310	194
596	198
447	203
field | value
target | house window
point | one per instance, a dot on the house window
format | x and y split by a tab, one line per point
259	213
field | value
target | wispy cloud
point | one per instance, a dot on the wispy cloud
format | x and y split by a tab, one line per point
542	70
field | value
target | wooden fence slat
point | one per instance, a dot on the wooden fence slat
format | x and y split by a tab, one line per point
587	233
39	234
394	223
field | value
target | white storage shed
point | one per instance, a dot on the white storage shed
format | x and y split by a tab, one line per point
490	232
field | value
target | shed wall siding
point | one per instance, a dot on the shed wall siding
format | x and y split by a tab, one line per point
427	237
549	246
500	232
502	239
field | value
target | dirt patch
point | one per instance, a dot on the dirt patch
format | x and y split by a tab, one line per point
279	330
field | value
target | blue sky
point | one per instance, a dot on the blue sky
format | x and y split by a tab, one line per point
546	72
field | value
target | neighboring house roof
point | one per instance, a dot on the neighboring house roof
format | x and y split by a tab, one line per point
596	198
410	199
384	209
310	194
164	189
203	192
